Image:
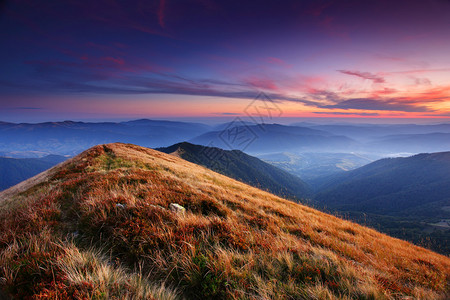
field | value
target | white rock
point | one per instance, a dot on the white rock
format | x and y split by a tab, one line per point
177	208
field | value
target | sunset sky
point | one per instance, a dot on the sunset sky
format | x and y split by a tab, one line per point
203	58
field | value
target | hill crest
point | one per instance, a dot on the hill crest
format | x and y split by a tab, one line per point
243	167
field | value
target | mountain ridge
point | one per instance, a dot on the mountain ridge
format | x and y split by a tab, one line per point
70	137
266	138
243	167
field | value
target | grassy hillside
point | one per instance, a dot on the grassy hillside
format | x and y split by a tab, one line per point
99	227
240	166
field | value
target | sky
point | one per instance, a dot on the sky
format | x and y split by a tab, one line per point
112	59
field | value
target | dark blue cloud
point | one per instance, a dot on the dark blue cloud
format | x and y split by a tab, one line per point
376	104
345	113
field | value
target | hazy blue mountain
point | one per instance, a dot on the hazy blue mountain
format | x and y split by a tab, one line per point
69	138
393	139
368	132
310	166
269	138
15	170
391	185
242	167
412	143
407	197
226	125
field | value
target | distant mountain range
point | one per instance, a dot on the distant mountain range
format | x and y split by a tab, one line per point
269	138
402	196
240	166
396	186
412	143
367	132
15	170
392	138
70	138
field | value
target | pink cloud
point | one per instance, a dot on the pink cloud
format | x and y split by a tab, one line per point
382	92
420	71
161	13
107	49
365	75
279	62
263	83
120	45
421	81
104	67
334	29
117	18
390	58
118	60
434	95
304	84
316	10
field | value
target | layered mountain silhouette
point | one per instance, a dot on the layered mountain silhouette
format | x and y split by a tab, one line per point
267	138
395	186
243	167
120	221
403	196
413	143
70	138
370	131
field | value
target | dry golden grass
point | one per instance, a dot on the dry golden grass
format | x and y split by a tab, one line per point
105	220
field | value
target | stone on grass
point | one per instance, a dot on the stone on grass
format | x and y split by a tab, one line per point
177	208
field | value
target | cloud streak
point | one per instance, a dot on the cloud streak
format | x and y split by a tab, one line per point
345	113
375	104
364	75
161	13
